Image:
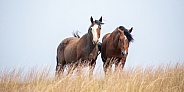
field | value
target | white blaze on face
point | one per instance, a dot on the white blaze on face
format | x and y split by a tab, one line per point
125	52
94	32
125	37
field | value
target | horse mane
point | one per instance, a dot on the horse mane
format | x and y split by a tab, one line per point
76	34
127	34
98	22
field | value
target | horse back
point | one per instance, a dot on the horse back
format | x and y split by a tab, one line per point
66	42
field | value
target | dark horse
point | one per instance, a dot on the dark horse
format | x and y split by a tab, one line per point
114	48
76	50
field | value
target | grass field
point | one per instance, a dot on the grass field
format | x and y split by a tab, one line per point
160	79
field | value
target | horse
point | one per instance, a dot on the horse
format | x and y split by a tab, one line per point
114	48
78	50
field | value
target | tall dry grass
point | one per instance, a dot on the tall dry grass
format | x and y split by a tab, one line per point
161	79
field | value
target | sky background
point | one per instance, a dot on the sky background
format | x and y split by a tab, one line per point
31	30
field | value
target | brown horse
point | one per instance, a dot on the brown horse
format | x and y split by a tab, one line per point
114	48
76	50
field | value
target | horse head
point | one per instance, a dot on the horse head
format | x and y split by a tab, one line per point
124	39
94	30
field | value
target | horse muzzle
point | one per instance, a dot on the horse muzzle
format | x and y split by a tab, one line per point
124	54
95	42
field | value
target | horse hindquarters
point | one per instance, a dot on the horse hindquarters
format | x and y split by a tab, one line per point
60	59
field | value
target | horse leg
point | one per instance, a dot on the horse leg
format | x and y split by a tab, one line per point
123	63
71	68
92	67
79	69
108	66
59	69
105	66
117	66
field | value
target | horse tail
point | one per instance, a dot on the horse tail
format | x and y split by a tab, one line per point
76	34
57	59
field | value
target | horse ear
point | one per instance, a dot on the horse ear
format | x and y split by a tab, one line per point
119	30
100	19
130	30
91	19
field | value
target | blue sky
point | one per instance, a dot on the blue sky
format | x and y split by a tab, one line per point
30	31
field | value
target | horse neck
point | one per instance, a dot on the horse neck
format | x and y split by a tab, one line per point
114	36
89	41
